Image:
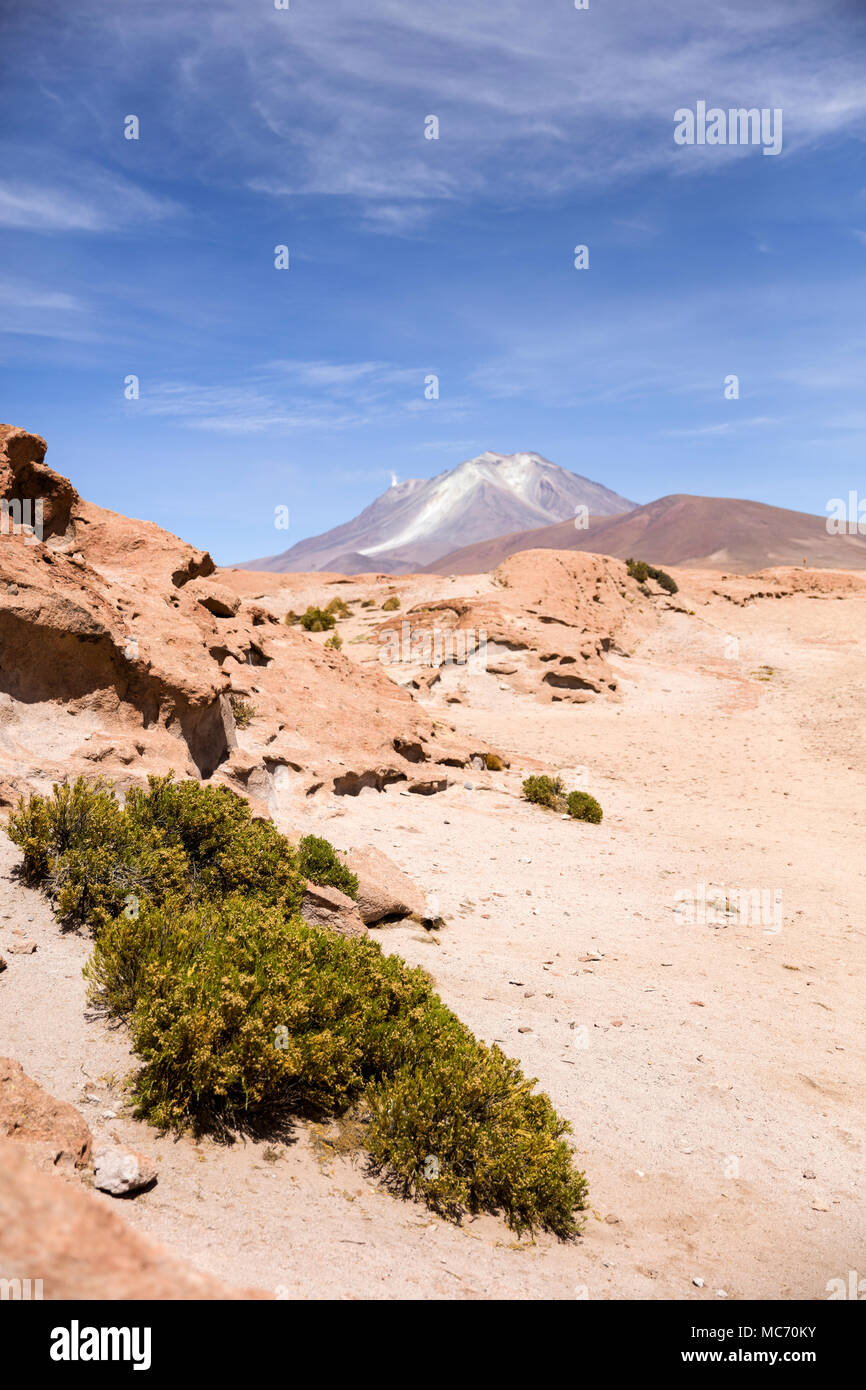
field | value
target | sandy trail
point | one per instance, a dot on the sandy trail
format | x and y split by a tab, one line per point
706	1068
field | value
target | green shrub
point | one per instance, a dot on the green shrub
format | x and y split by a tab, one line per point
543	791
334	642
493	763
292	618
242	1015
46	826
177	840
638	570
582	806
641	571
391	604
317	861
89	855
666	580
461	1129
242	710
317	620
227	851
339	608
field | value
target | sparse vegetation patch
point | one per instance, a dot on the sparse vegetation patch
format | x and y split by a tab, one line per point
243	1015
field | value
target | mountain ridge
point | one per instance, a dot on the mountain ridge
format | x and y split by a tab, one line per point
725	533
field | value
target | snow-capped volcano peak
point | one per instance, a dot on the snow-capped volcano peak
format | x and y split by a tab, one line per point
418	520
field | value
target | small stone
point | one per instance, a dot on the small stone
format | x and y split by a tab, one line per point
120	1172
524	1030
698	1283
22	948
721	1293
2	964
809	1174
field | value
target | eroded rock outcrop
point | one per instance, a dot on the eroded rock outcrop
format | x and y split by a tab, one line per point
123	652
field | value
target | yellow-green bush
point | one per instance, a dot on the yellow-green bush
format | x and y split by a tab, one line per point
339	608
317	620
243	1015
543	791
90	856
243	711
582	806
318	861
460	1127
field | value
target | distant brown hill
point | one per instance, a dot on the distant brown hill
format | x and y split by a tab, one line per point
698	532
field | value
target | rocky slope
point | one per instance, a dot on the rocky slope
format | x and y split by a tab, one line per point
720	533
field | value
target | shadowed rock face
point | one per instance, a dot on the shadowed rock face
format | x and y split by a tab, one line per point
121	650
25	478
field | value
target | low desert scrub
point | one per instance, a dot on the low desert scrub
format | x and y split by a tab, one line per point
582	806
339	608
242	710
544	791
391	604
641	571
493	763
243	1015
550	792
317	620
334	642
177	840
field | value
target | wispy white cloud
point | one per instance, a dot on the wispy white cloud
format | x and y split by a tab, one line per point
289	396
81	198
533	101
726	427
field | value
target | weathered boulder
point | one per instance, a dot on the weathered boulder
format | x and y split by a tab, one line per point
384	890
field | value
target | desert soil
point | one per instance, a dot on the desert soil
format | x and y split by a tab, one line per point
712	1072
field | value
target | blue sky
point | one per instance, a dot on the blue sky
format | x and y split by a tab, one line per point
305	127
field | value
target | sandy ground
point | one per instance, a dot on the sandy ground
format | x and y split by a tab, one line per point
707	1068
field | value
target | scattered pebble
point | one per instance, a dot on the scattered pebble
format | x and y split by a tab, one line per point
698	1283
